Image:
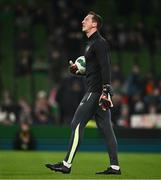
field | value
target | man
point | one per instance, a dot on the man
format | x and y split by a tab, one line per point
97	100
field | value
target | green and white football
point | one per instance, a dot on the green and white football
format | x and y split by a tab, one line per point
81	64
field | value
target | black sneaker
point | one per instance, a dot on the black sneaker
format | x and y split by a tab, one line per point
59	167
110	171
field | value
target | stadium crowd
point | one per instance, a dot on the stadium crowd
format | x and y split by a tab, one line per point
132	95
136	93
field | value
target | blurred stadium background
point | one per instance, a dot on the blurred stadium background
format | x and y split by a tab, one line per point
37	93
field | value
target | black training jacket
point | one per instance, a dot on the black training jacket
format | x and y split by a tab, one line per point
98	63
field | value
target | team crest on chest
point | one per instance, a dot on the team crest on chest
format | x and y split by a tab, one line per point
87	48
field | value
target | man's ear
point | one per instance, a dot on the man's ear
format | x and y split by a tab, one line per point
94	24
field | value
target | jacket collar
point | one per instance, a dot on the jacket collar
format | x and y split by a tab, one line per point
94	36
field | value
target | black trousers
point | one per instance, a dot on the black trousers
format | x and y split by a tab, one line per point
87	109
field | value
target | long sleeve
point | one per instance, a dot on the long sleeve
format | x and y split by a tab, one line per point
103	56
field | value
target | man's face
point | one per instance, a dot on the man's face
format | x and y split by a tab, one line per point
88	23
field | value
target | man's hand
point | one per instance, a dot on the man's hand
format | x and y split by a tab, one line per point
105	101
73	68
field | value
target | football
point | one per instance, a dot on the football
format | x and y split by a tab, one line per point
81	64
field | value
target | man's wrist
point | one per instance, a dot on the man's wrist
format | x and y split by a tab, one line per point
107	89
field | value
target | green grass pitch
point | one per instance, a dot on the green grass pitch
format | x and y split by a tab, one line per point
30	165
